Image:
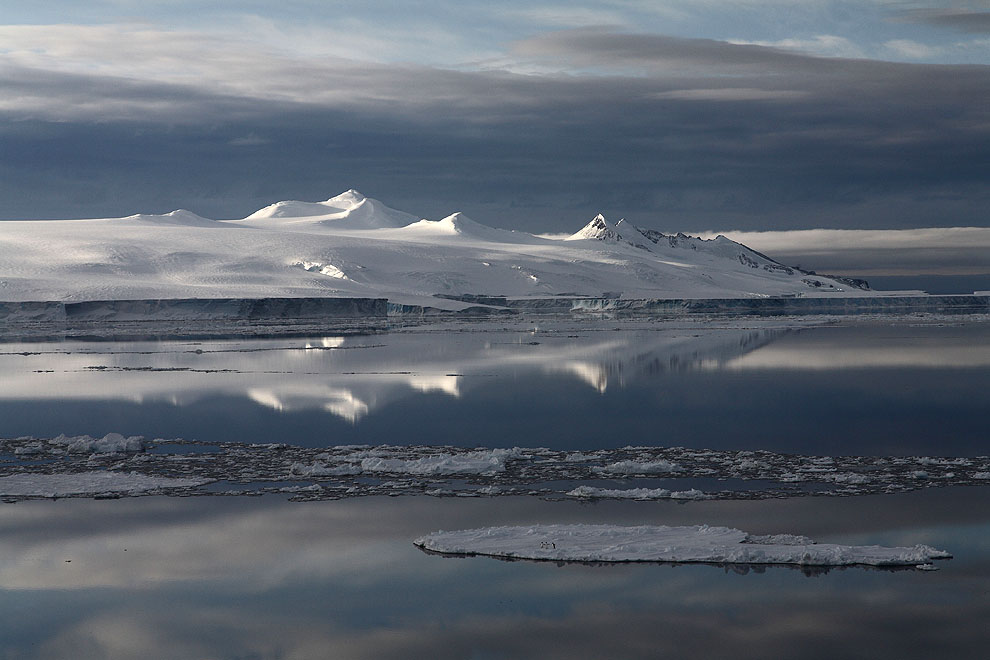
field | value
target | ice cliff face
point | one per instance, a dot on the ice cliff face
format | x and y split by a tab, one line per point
354	246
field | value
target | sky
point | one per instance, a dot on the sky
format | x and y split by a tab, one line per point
679	115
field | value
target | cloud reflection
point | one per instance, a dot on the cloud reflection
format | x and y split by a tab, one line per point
215	577
896	357
877	348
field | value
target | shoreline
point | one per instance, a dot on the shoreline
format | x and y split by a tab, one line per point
200	318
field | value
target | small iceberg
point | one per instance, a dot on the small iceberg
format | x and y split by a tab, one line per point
689	544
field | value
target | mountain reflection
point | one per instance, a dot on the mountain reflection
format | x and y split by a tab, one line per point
351	377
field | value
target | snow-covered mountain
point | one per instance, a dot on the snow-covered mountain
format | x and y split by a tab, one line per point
354	246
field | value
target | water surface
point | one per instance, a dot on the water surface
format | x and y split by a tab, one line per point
861	389
228	577
235	578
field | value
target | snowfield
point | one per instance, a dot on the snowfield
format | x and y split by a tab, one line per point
692	544
353	246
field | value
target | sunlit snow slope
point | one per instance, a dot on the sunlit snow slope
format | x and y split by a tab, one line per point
350	245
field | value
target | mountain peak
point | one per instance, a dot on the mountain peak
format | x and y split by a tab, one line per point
347	199
598	229
176	217
455	223
348	210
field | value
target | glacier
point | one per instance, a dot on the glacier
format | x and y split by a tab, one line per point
352	246
356	264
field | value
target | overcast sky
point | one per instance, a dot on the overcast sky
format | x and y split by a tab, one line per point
676	114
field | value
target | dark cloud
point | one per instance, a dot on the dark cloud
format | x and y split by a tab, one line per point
682	134
597	47
964	20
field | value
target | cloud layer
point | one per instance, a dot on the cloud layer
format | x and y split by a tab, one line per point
944	251
671	132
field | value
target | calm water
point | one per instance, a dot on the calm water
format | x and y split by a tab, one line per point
833	390
266	578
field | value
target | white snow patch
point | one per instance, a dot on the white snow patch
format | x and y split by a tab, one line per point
322	268
699	543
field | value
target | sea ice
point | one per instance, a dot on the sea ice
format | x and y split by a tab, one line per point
90	483
639	493
689	544
111	443
475	462
410	470
640	467
481	462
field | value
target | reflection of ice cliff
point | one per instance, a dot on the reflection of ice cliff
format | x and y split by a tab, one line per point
351	377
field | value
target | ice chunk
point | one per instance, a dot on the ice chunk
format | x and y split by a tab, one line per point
111	443
318	469
476	462
638	493
640	467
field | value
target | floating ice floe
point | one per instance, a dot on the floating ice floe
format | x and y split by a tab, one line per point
476	462
639	493
690	544
639	467
480	462
111	443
